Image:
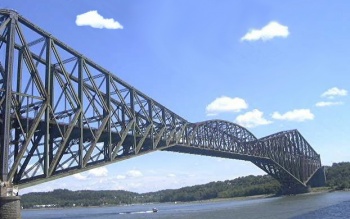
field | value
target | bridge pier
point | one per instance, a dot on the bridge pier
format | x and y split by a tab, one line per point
291	189
10	202
319	178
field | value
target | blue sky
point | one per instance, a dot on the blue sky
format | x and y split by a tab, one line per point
267	65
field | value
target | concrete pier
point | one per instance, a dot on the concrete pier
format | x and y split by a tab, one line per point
10	207
10	202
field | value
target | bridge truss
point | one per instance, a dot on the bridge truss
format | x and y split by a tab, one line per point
60	114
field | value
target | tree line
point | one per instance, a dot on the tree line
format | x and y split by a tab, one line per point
242	186
338	177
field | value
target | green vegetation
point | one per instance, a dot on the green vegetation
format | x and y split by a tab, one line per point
67	198
338	176
242	186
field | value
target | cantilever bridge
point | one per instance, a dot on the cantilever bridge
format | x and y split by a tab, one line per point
60	114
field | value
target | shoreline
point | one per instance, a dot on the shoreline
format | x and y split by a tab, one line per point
242	198
313	191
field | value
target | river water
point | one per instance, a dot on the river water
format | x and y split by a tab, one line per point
317	205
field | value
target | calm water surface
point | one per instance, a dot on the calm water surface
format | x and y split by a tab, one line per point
321	205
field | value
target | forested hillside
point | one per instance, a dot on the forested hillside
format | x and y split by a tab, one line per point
338	177
67	198
243	186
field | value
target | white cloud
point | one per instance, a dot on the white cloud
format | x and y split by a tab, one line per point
328	103
268	32
298	115
99	172
135	185
332	92
252	119
120	187
134	173
79	176
171	175
226	104
121	177
95	20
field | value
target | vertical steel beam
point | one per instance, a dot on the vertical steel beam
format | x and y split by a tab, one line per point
108	141
150	120
132	106
6	105
18	102
49	90
81	121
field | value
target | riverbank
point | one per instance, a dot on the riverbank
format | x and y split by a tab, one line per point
239	187
241	198
161	203
321	189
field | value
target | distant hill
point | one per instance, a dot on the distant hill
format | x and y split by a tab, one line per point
67	198
338	177
242	186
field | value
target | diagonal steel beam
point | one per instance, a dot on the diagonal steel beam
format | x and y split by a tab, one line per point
142	140
27	159
63	144
29	61
123	136
29	137
158	137
4	24
95	140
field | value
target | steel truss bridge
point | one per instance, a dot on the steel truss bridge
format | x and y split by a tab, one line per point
61	113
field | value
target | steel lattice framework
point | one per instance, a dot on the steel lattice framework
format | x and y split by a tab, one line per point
60	114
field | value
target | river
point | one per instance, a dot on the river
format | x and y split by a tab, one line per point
316	205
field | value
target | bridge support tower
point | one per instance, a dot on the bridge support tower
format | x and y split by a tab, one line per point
10	202
288	189
319	178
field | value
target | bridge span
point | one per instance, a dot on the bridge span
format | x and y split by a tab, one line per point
61	113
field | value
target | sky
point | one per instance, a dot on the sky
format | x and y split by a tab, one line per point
269	66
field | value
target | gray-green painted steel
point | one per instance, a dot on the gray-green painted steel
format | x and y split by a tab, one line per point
62	114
